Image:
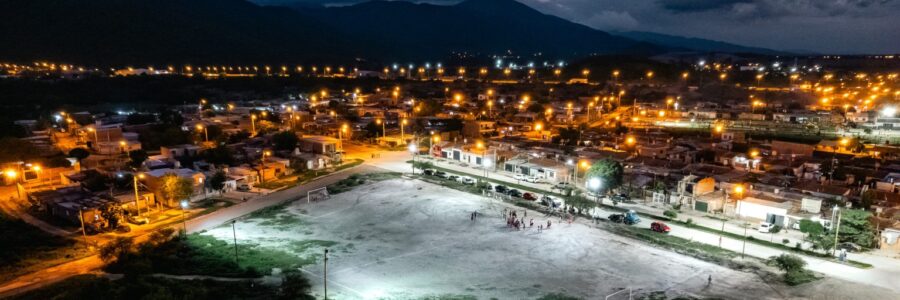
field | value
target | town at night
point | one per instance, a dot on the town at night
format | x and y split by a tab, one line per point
449	150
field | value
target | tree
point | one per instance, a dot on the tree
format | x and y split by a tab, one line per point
856	228
217	181
137	157
811	227
79	154
285	140
112	213
175	188
57	162
536	108
16	150
569	136
867	199
610	173
116	248
220	155
793	267
294	286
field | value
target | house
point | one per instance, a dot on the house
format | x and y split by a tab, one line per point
768	209
319	144
469	154
74	204
175	152
153	179
547	169
478	128
690	187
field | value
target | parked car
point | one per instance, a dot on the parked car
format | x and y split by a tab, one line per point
534	179
441	174
850	247
561	185
137	220
764	227
529	196
501	189
659	227
428	172
550	201
514	192
453	177
629	218
243	187
520	177
468	180
123	228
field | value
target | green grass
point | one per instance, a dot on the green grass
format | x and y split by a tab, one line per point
198	254
148	287
310	175
557	296
355	180
25	249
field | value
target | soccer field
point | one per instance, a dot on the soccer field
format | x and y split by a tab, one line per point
408	239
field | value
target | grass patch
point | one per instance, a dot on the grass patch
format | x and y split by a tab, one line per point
449	297
198	254
683	246
557	296
355	180
25	248
309	246
310	175
148	287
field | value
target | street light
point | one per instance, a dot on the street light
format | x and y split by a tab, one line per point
184	207
253	124
205	132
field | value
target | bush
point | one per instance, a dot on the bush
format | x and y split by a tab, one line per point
799	277
689	222
785	241
671	213
787	262
775	229
798	246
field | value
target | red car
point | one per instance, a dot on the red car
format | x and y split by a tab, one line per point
529	196
659	227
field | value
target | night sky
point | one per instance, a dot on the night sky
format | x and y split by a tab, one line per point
822	26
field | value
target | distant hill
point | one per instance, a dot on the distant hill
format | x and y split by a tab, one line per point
696	44
163	31
159	32
419	31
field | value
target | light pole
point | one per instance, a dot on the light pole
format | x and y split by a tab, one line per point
341	136
253	124
433	139
402	134
262	171
413	148
205	132
136	195
184	207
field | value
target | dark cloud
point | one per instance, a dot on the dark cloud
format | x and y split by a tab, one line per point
826	26
698	5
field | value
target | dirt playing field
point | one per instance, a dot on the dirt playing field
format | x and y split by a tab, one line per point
407	239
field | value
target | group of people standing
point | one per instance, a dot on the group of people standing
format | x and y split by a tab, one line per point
513	220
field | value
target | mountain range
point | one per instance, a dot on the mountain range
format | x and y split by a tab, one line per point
116	32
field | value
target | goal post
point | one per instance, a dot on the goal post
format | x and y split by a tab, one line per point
317	194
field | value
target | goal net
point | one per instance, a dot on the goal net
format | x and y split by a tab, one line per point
318	194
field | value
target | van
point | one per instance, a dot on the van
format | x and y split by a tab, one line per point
764	227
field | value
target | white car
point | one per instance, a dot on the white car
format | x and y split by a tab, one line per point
764	227
534	179
520	177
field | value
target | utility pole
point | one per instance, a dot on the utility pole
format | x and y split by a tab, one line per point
836	231
234	234
325	274
744	247
83	232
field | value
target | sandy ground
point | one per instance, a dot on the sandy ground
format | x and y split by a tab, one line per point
407	239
